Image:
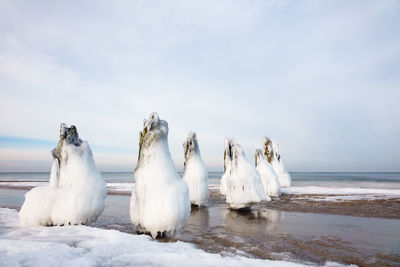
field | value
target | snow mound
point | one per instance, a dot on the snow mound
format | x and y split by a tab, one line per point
243	184
271	151
76	192
195	173
160	200
268	176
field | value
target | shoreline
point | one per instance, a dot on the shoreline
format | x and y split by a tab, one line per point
355	204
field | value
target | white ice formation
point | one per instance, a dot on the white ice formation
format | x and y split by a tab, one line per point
271	152
243	184
195	173
160	200
76	192
268	176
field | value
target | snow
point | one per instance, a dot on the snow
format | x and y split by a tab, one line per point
325	193
160	200
320	193
195	173
271	150
76	191
87	246
244	185
120	188
21	184
268	176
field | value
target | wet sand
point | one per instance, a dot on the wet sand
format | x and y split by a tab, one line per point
377	208
295	230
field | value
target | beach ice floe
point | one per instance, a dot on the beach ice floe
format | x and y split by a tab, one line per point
76	191
160	199
243	184
271	152
268	176
195	173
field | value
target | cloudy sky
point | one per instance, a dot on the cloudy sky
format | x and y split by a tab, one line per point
320	77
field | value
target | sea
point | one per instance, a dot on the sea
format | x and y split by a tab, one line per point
385	180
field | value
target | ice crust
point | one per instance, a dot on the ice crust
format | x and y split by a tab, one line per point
243	184
195	173
160	200
268	176
271	152
76	191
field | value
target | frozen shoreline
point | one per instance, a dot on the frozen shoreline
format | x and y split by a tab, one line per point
313	193
89	246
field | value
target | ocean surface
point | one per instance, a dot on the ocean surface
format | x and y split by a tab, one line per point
386	180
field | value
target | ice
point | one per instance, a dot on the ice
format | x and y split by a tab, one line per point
268	176
271	151
160	200
87	246
76	191
243	184
195	173
321	190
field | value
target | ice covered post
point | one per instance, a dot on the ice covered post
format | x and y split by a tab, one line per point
271	152
195	173
227	165
243	184
160	200
76	192
268	176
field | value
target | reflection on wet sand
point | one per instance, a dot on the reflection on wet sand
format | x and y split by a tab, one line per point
199	218
253	221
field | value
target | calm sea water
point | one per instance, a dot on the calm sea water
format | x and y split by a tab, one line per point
345	179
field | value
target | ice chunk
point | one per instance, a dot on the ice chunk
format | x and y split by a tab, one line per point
268	176
271	152
243	184
76	192
160	200
195	173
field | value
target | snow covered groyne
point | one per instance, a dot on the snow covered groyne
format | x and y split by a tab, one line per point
227	166
160	200
271	152
195	173
268	176
243	184
76	192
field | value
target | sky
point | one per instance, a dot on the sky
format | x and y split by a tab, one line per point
322	78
